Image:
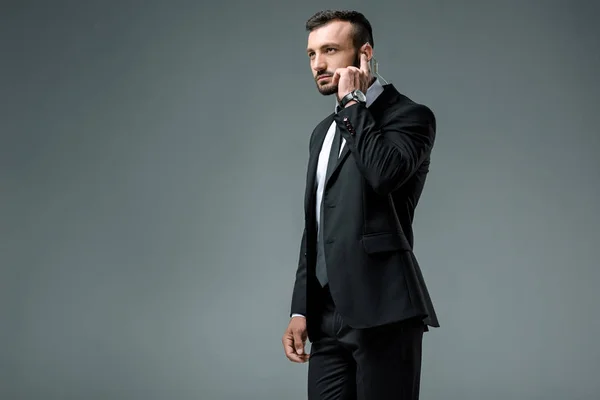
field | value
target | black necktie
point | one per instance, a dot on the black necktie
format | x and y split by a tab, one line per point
321	268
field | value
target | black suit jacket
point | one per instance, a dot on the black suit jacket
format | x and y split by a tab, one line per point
369	202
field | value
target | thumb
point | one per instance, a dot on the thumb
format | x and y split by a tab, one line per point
298	342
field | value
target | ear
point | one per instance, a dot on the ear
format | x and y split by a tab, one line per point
368	50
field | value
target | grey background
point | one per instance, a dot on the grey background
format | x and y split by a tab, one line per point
152	171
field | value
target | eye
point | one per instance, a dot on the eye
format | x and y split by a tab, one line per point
330	49
311	54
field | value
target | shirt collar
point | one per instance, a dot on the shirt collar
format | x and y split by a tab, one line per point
372	93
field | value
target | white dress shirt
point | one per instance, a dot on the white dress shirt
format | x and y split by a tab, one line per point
372	93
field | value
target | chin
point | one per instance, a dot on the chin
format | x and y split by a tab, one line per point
327	90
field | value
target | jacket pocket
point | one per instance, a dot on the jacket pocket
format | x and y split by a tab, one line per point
383	242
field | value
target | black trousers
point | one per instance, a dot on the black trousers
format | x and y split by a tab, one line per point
369	364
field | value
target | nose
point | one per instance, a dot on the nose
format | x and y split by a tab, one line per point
318	64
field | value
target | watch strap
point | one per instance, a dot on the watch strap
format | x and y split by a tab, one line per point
348	98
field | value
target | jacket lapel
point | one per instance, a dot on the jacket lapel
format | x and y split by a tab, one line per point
340	161
311	177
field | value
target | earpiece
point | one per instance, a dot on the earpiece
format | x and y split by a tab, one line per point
374	65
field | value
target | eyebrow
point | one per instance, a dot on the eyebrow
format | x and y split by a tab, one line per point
324	46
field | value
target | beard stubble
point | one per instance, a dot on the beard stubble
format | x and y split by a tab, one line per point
330	88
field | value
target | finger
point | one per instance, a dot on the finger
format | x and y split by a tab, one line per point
355	75
364	63
298	343
298	359
290	351
338	75
293	357
336	78
288	347
352	75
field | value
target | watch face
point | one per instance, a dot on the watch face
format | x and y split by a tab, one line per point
360	96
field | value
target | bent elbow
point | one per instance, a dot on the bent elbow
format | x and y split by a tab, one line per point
386	183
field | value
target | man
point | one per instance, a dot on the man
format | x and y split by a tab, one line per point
359	295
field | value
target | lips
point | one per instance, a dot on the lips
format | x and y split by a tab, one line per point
323	77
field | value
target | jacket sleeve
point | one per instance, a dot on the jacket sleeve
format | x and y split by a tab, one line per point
299	293
389	155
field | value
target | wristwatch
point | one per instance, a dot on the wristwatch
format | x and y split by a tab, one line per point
355	95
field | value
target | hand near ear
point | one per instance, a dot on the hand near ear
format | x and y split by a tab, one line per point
352	78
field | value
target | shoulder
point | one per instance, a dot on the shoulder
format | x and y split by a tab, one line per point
404	108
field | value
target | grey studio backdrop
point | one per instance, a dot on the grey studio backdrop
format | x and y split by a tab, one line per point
153	159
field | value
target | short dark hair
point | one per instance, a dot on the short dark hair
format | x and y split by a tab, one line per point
363	32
